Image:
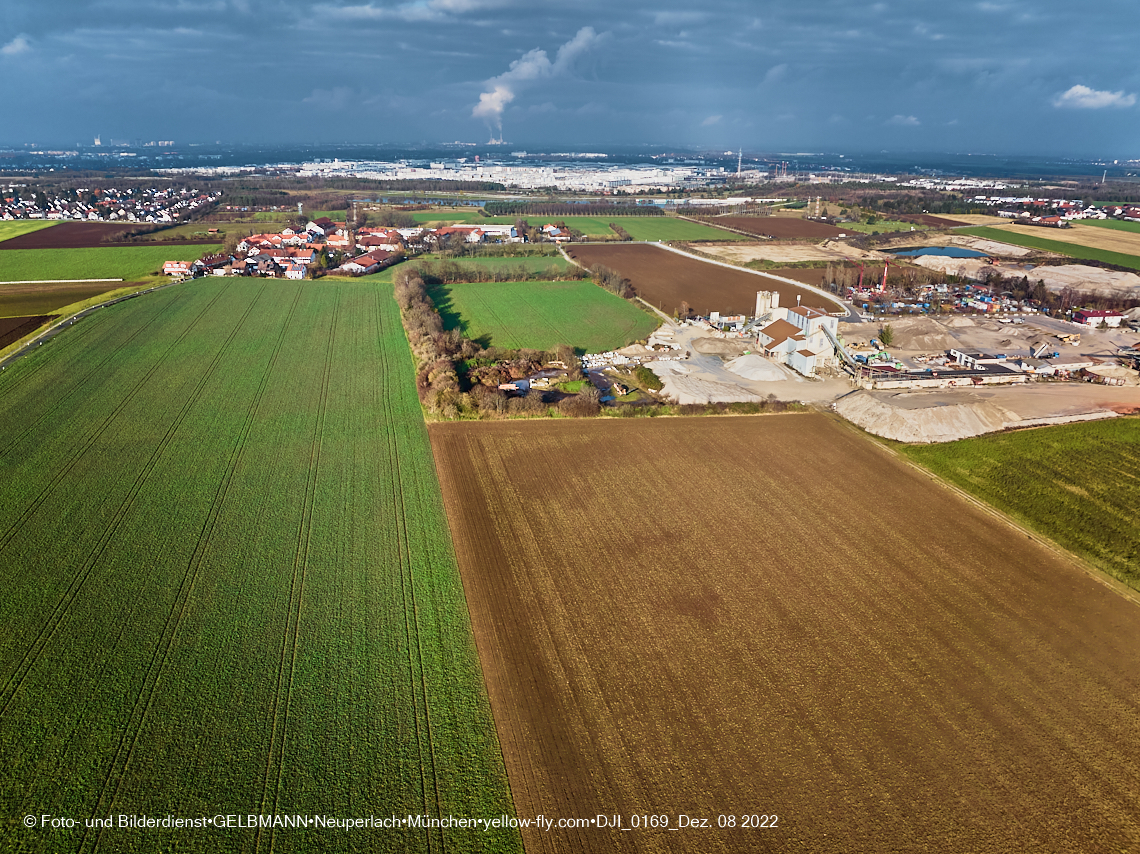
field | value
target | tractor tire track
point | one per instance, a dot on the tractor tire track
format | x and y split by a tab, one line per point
34	505
284	690
133	729
12	684
411	621
80	384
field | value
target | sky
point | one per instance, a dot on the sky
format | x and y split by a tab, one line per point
1049	77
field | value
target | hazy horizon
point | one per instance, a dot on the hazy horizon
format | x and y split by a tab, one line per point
771	77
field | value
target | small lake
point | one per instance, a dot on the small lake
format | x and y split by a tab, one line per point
944	251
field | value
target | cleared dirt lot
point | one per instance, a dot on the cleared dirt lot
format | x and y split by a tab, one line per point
693	616
666	279
742	253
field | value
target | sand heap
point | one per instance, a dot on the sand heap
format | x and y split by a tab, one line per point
930	424
682	384
919	334
755	367
943	422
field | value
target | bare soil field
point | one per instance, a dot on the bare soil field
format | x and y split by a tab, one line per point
14	328
777	226
932	221
919	678
86	235
46	297
666	279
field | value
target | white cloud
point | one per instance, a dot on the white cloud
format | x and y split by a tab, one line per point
710	121
531	66
904	121
17	46
1083	98
776	73
416	10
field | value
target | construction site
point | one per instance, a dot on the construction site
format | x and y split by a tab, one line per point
915	379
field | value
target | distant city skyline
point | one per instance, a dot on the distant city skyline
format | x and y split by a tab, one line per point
998	76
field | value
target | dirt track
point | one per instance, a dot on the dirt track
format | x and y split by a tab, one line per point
665	279
693	616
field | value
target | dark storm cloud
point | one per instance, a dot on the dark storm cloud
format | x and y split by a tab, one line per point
996	75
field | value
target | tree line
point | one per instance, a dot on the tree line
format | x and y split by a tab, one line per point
451	273
542	209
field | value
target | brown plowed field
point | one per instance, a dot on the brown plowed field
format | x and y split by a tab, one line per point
693	616
786	227
932	221
42	298
85	235
665	279
15	328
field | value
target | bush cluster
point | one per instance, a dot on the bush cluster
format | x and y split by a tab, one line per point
612	281
456	377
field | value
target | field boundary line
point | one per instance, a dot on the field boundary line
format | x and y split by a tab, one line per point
411	620
759	237
1036	536
300	568
181	598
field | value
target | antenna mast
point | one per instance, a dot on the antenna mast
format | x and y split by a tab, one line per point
739	161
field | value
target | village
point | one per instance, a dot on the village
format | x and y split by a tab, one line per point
327	246
107	204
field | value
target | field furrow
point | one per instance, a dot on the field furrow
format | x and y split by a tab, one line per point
269	621
8	691
904	673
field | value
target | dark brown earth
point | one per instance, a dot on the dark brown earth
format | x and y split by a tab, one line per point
699	616
665	279
86	235
45	297
14	328
777	226
933	221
